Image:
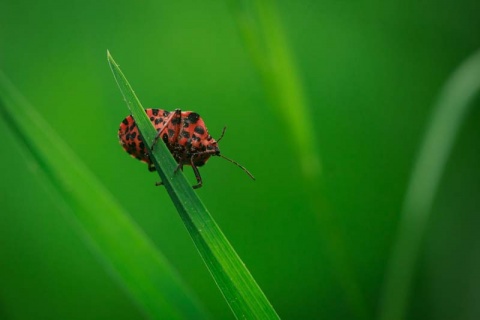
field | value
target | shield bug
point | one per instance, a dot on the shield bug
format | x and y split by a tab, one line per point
184	133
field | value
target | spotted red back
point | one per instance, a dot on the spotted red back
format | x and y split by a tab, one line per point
184	133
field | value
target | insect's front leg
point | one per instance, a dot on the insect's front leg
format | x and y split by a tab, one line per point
180	166
197	173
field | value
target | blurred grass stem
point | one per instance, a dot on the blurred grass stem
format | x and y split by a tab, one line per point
447	118
262	32
119	244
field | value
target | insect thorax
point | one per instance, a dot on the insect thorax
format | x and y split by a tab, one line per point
186	153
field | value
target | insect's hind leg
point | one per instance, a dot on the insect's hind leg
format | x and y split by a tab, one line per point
151	168
175	114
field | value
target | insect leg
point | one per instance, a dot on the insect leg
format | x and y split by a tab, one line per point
181	155
179	167
177	113
151	168
197	174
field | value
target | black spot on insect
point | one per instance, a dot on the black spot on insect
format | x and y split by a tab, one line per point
203	148
195	137
132	145
209	147
199	130
193	117
171	132
186	124
166	113
165	138
141	145
133	135
185	134
176	120
125	121
152	118
127	136
209	138
132	126
155	112
158	120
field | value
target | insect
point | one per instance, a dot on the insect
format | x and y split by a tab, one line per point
184	133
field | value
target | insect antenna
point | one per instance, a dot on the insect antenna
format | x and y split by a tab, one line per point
233	161
237	164
223	133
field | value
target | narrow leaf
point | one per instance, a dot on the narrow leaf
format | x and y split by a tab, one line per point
448	115
260	26
119	244
242	293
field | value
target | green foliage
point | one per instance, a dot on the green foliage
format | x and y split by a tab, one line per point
120	245
448	116
347	86
264	36
240	290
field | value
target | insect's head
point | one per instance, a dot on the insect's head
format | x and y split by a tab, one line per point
217	153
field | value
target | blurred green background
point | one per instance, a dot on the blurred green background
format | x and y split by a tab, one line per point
371	72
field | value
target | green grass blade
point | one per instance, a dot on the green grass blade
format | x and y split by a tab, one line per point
120	245
264	38
448	115
261	29
240	290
